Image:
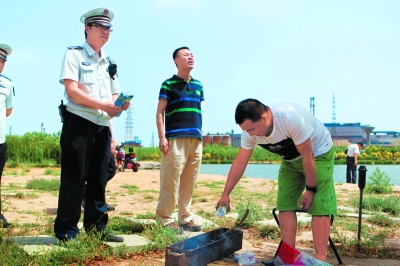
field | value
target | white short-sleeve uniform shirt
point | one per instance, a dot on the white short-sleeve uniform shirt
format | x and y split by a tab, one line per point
292	125
83	65
352	149
6	102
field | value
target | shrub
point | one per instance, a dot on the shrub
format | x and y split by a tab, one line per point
389	204
269	231
380	183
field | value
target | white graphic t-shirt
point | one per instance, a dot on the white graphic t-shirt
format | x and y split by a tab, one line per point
292	125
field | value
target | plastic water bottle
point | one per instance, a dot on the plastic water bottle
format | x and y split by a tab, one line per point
221	211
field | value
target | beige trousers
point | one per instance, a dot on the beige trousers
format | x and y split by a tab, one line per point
178	175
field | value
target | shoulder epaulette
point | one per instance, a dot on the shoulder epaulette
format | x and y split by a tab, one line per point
75	47
5	77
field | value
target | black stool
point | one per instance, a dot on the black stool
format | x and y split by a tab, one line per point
330	240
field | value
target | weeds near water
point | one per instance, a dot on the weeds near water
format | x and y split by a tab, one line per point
380	183
389	204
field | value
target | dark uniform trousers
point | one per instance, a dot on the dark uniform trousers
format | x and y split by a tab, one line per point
3	157
85	158
351	173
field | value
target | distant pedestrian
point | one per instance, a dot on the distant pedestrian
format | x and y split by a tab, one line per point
7	94
179	123
351	160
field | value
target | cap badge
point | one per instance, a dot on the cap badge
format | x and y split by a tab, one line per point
106	11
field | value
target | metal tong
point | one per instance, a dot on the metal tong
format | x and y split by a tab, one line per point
239	222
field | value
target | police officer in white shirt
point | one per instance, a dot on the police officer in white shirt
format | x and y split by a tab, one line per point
351	160
91	88
6	105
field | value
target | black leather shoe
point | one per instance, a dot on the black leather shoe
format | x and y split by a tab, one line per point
4	221
191	227
110	208
108	237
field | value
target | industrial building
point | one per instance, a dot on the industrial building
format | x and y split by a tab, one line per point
355	132
351	132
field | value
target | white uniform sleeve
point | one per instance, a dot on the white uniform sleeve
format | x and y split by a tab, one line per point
70	67
299	128
115	89
356	149
10	98
247	142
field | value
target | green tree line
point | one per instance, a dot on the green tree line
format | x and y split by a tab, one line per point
44	149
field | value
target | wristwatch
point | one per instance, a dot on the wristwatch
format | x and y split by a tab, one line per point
312	189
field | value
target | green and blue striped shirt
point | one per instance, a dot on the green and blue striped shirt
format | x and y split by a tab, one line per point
183	113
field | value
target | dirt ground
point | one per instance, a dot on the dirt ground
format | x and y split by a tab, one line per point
32	210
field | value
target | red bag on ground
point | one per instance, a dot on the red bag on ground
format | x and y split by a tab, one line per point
288	255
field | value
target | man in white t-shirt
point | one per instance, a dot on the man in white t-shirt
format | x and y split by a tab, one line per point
305	146
351	160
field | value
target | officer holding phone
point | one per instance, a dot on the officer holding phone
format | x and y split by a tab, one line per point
7	104
91	88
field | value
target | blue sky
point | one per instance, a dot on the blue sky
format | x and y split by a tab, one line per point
275	51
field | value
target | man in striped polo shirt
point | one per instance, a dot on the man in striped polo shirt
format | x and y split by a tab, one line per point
179	123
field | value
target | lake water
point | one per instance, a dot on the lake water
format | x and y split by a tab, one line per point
270	171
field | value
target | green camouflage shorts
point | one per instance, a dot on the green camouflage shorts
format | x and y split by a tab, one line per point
291	185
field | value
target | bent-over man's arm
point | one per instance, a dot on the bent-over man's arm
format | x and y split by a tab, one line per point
306	151
235	173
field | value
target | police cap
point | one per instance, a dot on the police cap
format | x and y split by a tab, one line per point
5	50
100	15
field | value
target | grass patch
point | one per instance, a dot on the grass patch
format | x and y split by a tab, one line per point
379	203
380	183
12	172
381	220
131	189
162	236
50	171
269	231
29	212
20	195
26	169
15	185
119	225
148	215
43	184
12	164
150	191
148	197
126	213
216	184
194	200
